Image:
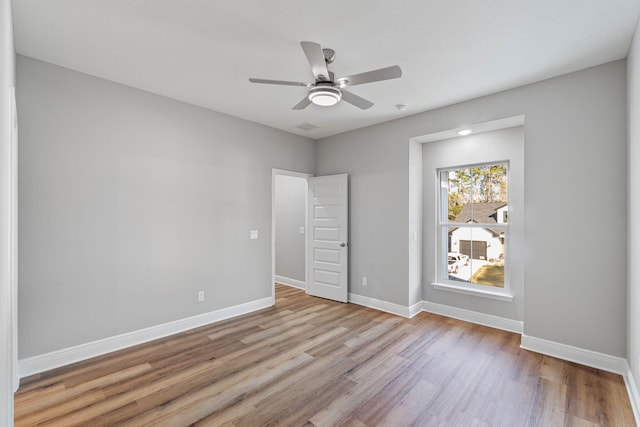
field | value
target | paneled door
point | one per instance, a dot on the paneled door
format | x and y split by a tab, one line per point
329	237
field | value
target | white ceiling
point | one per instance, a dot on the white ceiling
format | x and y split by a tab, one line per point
204	51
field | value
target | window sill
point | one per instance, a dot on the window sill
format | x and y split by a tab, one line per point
497	295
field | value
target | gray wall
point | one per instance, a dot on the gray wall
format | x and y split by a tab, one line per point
575	187
377	161
290	207
633	75
130	203
504	144
7	76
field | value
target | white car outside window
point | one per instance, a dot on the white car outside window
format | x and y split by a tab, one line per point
456	261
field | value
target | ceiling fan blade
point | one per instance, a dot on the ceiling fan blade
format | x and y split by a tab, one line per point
304	103
354	99
279	82
315	56
387	73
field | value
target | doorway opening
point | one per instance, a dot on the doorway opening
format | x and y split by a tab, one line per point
289	218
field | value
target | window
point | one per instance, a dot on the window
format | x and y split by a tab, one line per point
473	225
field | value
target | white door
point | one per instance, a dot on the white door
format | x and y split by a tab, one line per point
328	237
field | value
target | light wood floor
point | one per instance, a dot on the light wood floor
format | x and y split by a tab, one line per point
313	362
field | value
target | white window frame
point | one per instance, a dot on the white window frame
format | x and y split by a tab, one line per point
442	227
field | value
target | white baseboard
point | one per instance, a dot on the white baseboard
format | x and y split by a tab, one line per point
444	310
291	282
416	308
66	356
381	305
632	391
484	319
606	362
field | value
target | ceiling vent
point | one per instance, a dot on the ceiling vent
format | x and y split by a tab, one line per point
308	126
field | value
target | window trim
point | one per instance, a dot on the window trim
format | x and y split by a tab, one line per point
468	290
442	223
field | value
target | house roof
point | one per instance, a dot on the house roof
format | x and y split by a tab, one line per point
481	213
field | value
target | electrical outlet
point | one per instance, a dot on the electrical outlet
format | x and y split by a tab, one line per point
200	296
364	281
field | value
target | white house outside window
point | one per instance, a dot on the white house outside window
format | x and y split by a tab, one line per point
473	226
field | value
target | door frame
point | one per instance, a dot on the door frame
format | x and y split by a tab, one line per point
306	177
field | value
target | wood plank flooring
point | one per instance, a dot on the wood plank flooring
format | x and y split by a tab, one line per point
313	362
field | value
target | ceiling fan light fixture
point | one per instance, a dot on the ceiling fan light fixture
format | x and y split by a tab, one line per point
325	96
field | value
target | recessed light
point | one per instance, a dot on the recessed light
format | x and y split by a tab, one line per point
464	132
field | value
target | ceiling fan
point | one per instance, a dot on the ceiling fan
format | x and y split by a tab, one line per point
327	90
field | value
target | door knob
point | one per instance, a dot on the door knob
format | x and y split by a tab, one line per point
342	245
